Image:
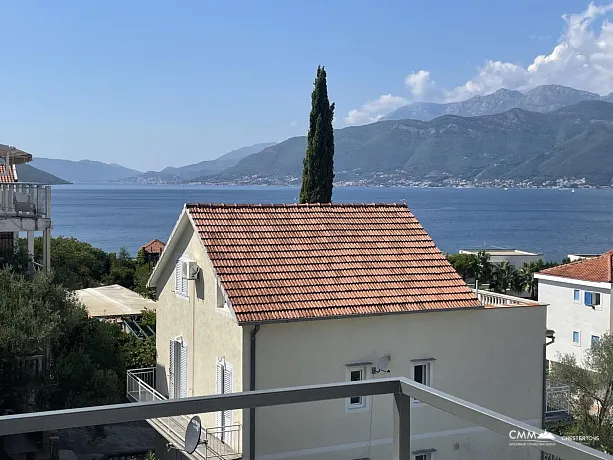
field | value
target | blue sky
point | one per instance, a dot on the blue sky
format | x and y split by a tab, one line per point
148	84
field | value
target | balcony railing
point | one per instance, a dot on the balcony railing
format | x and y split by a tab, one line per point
557	402
25	200
218	442
500	300
402	390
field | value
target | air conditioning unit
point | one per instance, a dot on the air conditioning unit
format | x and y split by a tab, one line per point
189	269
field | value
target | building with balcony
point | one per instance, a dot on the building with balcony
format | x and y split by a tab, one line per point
25	208
254	297
579	299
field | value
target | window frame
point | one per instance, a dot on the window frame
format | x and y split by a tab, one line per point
592	337
577	299
427	363
578	343
364	403
423	456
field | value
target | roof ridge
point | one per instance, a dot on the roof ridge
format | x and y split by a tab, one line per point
295	205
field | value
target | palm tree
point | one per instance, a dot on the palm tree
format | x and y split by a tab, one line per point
482	267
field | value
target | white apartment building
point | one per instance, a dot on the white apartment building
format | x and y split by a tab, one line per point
515	257
578	295
255	297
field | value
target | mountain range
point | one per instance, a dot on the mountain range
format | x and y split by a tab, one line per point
203	168
574	141
544	98
83	170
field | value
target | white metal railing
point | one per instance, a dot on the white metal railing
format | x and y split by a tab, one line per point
500	300
557	398
25	200
217	442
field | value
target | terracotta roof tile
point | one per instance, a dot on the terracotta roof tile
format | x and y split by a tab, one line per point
153	247
5	178
287	262
598	269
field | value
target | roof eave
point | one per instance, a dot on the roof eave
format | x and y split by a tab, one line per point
363	315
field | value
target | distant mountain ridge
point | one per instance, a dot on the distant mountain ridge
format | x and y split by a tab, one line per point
28	173
574	141
201	169
545	98
83	170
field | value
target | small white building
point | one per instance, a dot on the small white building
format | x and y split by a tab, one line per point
515	257
579	299
271	296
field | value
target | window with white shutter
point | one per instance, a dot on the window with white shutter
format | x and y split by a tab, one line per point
224	386
171	370
181	284
177	369
183	392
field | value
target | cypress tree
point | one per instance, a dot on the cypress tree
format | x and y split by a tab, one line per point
318	164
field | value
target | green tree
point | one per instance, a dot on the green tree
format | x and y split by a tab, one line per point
463	264
53	356
318	164
122	269
482	267
591	386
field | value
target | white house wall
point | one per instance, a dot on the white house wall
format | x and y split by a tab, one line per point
492	357
564	316
210	332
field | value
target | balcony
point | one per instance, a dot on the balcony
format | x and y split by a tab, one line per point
557	408
494	299
217	442
401	390
25	207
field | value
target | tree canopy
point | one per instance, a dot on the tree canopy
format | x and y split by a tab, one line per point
318	164
591	387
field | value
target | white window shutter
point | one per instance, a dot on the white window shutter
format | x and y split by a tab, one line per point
178	278
183	370
171	370
227	415
219	390
184	287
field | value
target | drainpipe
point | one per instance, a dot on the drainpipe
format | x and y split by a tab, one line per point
254	332
550	334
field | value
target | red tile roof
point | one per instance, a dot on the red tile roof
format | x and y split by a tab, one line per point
598	269
290	262
153	247
4	178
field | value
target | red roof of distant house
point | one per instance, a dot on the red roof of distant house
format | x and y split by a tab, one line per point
4	177
598	269
290	262
153	247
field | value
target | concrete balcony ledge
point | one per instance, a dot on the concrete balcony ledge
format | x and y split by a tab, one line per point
401	388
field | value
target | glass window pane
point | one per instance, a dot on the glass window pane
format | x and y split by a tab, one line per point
356	375
418	373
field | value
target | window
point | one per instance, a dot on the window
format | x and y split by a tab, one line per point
577	295
181	284
424	455
356	374
421	373
177	369
224	386
595	340
576	338
591	299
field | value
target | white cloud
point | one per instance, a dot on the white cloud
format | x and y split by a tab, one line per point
420	85
374	110
293	123
582	59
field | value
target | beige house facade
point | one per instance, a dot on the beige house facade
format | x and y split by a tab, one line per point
287	295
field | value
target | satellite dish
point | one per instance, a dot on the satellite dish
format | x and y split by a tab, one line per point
192	435
382	364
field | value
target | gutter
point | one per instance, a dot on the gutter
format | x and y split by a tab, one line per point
254	332
549	335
